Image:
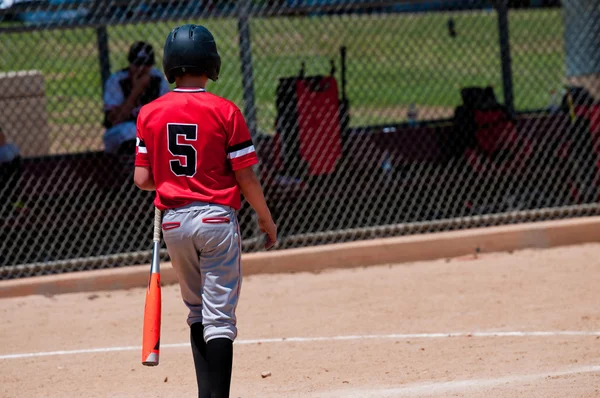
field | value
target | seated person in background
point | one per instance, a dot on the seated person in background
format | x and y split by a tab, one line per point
8	152
10	170
125	92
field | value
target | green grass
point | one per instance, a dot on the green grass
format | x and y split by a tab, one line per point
393	60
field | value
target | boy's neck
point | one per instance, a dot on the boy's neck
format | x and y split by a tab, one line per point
191	82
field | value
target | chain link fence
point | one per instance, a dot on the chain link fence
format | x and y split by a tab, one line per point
370	118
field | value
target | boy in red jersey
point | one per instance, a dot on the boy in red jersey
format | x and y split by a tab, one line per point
195	150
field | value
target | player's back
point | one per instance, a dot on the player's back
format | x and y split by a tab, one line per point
189	135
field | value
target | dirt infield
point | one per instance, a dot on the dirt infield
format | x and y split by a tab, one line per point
525	324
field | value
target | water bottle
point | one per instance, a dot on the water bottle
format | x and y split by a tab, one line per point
412	115
555	101
386	165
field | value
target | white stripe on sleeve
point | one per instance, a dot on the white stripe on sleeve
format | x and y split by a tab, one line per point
141	148
241	152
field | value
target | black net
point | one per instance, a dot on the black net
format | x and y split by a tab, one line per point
370	118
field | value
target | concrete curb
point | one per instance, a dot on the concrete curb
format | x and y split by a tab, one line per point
343	255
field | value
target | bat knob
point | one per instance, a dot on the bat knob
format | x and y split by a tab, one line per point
151	360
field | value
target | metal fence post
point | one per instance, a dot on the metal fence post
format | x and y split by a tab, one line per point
248	87
507	82
246	61
103	54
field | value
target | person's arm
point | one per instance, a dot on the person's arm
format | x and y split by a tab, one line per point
242	156
252	191
123	111
142	177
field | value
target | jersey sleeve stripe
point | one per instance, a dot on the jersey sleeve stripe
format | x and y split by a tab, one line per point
239	146
141	146
241	152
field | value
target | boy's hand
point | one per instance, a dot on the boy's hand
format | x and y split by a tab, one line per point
268	227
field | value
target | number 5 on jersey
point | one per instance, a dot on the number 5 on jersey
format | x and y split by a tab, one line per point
185	165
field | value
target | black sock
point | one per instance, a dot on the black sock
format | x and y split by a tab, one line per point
200	362
219	355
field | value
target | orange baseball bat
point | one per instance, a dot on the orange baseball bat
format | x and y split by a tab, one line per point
152	308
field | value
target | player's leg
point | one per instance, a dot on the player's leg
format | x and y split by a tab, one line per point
219	357
200	362
180	231
220	264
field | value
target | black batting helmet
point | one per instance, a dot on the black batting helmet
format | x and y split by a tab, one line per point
191	48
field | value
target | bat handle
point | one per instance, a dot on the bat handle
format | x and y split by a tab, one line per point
156	244
157	224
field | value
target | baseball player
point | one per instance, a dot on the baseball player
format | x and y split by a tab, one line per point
195	150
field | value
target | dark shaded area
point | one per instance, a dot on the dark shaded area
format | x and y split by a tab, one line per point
480	162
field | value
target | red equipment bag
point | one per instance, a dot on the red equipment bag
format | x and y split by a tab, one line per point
309	125
495	131
319	124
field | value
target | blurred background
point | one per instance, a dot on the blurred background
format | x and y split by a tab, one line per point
371	118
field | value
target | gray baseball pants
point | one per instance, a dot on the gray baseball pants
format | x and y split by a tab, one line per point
203	242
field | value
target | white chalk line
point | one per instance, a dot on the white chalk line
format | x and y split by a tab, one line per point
404	336
446	387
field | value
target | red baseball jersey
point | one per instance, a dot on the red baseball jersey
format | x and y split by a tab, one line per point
193	141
